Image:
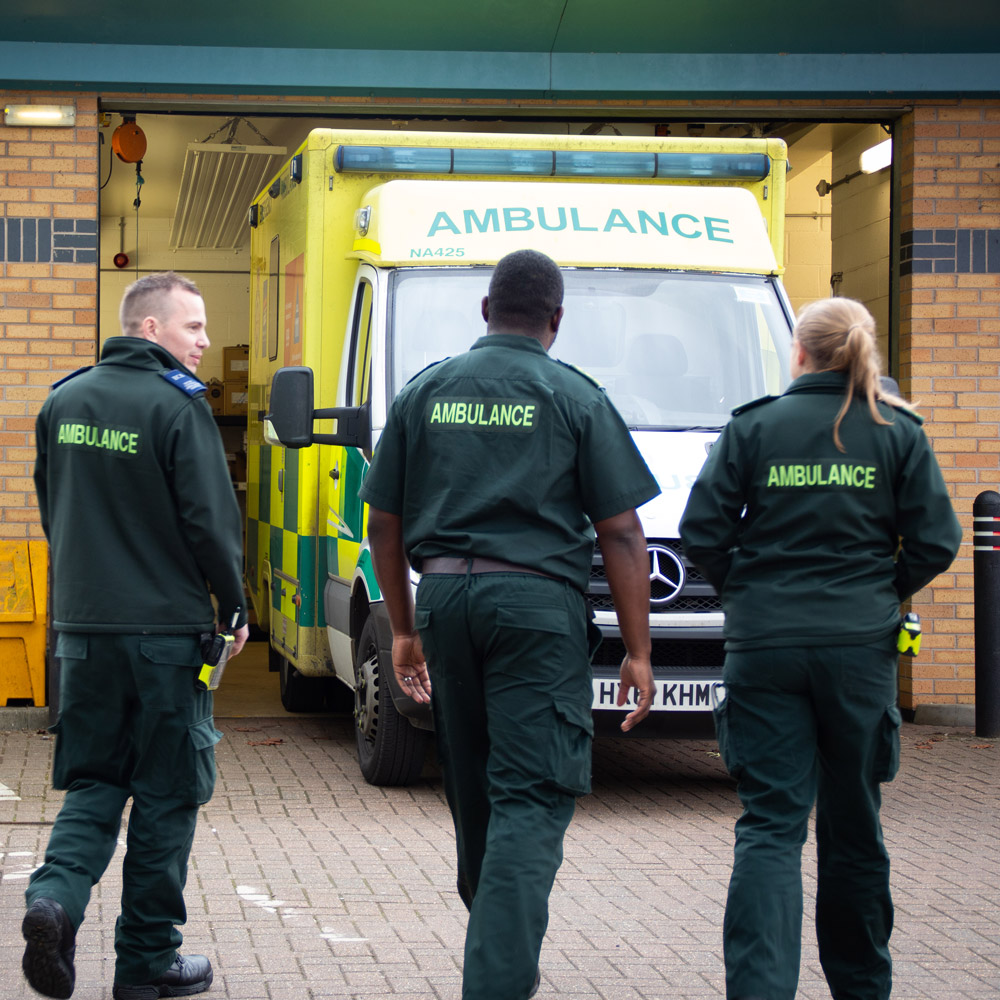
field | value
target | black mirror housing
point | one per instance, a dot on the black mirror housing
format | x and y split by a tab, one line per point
290	419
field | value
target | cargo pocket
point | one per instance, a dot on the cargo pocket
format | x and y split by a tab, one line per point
728	741
203	736
69	646
887	753
61	759
571	744
534	618
179	651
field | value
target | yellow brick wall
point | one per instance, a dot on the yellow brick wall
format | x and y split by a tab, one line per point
48	283
948	158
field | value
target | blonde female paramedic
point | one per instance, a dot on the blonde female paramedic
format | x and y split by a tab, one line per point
817	513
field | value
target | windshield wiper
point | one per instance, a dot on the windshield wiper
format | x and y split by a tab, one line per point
675	427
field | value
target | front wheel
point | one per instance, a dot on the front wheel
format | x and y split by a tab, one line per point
390	750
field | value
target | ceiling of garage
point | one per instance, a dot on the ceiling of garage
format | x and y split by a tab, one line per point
523	48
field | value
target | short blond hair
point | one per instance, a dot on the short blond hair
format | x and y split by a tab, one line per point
150	296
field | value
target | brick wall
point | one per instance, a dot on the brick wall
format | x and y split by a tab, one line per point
948	159
48	283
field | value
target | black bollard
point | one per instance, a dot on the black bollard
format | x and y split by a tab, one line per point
986	582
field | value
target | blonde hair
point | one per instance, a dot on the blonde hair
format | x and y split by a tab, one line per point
838	335
150	296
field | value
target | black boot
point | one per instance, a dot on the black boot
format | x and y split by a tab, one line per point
48	957
184	978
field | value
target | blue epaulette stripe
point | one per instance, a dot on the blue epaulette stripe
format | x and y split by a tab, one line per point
185	382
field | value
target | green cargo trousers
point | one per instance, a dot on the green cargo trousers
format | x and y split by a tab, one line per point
509	661
798	726
131	725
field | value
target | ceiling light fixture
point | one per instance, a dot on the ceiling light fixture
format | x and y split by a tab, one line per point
877	158
871	161
49	115
218	182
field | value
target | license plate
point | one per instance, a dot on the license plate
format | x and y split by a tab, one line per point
670	695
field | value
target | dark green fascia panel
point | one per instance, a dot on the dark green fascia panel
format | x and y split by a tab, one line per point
569	26
498	75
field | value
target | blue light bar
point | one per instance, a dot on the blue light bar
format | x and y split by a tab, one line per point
550	163
600	163
749	166
536	162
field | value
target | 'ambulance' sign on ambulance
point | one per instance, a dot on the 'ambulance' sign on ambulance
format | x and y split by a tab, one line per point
710	228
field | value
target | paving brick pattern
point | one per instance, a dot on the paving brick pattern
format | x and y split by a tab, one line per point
307	884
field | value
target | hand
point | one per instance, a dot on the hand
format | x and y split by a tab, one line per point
240	637
410	667
636	673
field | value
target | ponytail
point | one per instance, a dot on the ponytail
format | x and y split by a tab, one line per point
839	335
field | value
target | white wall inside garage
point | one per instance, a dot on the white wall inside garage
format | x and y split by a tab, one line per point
222	276
861	209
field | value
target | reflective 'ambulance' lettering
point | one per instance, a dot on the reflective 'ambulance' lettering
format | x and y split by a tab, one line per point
519	219
822	475
482	414
113	439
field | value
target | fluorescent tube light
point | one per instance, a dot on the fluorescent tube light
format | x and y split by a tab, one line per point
877	158
50	115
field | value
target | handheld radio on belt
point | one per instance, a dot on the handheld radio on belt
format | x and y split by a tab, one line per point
215	650
908	640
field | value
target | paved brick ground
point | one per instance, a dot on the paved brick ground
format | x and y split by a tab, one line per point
307	884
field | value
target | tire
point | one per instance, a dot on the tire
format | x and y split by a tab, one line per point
390	750
298	693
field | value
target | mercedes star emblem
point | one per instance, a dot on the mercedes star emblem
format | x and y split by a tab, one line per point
666	574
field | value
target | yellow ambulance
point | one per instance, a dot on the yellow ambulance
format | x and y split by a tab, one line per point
371	252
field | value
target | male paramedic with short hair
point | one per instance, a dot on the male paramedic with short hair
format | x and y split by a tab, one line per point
493	472
138	507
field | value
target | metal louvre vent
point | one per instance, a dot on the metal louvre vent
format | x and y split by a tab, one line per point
218	182
695	595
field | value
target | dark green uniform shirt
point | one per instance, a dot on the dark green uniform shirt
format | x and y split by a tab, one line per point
800	539
506	453
135	498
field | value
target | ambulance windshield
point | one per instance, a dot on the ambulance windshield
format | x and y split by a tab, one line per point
674	351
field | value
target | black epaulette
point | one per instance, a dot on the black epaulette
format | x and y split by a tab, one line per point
184	381
905	410
427	368
590	378
66	378
753	404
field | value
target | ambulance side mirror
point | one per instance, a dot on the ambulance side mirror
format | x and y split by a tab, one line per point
290	420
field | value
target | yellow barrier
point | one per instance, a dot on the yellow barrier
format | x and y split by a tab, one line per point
23	619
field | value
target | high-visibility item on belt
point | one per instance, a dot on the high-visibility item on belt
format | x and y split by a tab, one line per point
215	650
908	640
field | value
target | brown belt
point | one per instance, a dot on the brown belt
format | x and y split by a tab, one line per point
459	565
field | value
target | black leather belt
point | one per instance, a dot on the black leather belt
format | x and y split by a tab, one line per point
459	565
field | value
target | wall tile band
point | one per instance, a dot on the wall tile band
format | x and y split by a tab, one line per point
44	241
950	251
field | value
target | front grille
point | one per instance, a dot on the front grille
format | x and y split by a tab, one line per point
667	655
697	594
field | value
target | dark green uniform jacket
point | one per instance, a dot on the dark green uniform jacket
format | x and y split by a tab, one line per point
135	498
812	557
527	452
